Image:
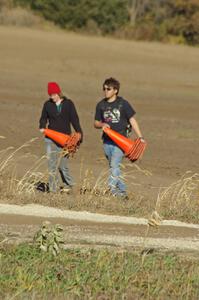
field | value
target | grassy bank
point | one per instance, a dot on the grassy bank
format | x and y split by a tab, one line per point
26	273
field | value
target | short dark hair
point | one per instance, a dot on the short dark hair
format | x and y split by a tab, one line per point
112	82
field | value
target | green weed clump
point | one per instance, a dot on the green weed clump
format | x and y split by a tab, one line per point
49	238
27	272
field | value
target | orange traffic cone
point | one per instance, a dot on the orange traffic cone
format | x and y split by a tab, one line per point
57	137
123	142
132	149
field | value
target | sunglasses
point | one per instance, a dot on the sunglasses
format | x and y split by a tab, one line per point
107	88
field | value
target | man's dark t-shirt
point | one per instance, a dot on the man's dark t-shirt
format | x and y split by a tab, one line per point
116	114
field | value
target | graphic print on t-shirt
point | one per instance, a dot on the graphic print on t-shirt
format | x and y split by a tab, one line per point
111	116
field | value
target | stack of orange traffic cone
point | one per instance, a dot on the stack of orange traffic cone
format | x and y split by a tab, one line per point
74	142
70	142
133	149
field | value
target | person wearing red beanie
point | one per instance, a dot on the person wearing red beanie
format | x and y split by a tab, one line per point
58	114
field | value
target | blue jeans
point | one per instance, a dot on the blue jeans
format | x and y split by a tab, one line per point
57	164
114	155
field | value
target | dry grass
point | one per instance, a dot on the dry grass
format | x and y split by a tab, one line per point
181	198
18	17
178	201
21	17
91	193
11	185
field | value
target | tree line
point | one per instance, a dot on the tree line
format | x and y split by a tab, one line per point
163	20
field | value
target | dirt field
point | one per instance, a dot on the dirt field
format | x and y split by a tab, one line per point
160	81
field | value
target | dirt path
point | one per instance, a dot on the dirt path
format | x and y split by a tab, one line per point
20	223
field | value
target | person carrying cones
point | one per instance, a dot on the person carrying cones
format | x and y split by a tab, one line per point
116	113
58	114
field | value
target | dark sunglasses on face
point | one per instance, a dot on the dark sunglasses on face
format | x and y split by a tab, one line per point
107	88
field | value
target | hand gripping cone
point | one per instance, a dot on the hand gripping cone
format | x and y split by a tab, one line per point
132	149
57	137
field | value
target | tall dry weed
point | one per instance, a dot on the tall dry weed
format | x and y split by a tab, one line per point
99	185
181	198
10	183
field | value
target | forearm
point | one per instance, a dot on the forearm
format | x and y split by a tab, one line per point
135	127
98	124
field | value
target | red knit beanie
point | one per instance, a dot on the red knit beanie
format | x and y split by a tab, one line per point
53	88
